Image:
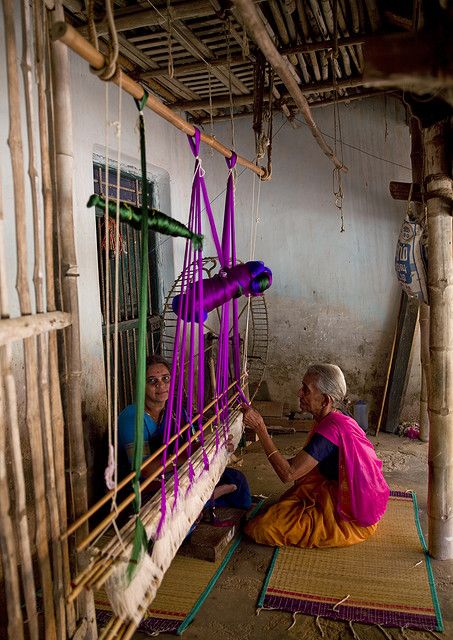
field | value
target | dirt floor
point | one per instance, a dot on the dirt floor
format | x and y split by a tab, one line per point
229	613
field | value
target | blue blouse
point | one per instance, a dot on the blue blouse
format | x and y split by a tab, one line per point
326	453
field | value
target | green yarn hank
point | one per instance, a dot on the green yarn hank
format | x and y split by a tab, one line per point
157	221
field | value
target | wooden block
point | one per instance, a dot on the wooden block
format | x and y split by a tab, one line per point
269	409
208	542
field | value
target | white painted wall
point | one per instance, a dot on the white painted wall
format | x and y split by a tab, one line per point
334	295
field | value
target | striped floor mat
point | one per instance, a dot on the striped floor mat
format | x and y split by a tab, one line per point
386	580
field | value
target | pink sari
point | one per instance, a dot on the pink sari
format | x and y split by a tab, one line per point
363	492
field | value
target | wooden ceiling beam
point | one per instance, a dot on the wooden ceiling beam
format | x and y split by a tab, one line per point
150	17
224	101
306	47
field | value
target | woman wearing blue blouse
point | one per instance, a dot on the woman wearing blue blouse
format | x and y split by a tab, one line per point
232	489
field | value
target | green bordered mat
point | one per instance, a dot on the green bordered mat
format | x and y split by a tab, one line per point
185	587
386	580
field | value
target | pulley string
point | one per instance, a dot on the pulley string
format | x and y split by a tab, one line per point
140	543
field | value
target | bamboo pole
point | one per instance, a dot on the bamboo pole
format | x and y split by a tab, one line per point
43	354
66	34
423	318
8	529
29	345
42	70
440	282
21	327
64	172
257	30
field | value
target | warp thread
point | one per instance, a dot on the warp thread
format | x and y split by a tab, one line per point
249	279
157	221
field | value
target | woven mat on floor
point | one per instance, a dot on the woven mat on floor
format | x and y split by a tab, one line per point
185	587
386	580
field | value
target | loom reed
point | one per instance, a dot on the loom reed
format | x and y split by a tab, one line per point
98	571
84	517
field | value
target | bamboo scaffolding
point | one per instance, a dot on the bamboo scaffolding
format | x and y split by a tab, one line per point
67	35
73	400
440	397
21	327
42	71
8	529
29	344
43	354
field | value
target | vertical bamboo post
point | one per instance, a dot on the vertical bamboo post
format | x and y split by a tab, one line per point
8	531
43	354
423	318
440	280
64	168
56	411
33	418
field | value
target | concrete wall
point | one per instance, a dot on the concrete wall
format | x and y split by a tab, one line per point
334	297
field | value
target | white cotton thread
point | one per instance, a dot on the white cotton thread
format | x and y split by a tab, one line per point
334	608
293	624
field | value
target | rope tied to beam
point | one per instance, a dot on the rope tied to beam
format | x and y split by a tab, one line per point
110	68
445	193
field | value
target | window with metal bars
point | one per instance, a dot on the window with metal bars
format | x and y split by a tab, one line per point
128	281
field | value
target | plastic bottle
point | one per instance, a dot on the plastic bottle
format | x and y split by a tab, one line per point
361	414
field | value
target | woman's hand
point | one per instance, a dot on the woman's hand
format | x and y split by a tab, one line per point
253	419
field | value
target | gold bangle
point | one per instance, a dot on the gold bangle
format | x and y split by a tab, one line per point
272	453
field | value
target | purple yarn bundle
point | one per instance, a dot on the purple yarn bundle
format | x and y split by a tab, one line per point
249	279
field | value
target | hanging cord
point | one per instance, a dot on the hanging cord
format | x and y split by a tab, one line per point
211	115
270	123
253	233
140	543
230	87
109	70
171	69
337	178
259	75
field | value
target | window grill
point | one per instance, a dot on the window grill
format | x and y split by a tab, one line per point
128	284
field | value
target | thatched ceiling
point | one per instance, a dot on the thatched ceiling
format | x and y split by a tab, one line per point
195	55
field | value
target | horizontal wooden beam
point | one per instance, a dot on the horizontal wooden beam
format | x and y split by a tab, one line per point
307	47
14	329
238	101
401	191
152	18
315	103
72	39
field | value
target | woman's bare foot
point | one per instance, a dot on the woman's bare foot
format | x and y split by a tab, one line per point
223	490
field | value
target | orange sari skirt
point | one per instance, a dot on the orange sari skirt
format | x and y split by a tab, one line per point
306	516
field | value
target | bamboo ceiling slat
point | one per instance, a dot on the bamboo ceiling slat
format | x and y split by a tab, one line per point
204	38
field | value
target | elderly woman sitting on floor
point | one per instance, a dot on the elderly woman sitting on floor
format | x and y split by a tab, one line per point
339	492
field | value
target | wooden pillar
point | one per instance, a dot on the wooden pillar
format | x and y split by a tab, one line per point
69	269
423	318
440	283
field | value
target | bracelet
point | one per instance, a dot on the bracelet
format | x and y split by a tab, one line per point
272	453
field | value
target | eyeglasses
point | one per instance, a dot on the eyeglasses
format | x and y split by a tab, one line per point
153	381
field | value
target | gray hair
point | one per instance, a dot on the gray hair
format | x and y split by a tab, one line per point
329	380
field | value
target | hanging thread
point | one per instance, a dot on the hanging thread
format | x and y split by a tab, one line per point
337	178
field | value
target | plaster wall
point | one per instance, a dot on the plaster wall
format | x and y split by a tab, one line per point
334	296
